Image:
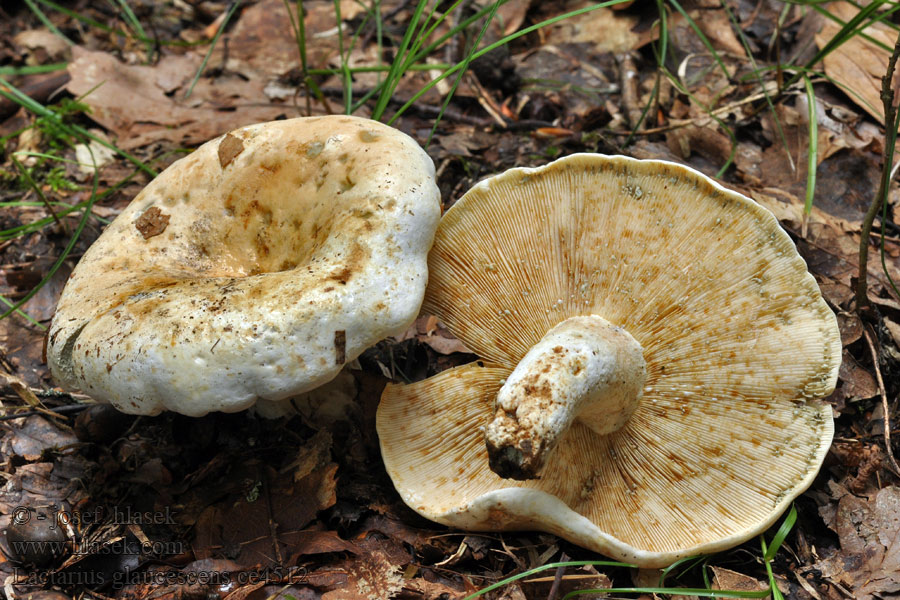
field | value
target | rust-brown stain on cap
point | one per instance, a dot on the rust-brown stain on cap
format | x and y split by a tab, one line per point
152	222
229	148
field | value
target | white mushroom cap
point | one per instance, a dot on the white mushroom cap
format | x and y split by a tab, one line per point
737	341
253	268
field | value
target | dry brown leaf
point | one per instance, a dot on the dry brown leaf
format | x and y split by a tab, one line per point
263	40
894	329
35	437
43	46
708	141
152	113
599	31
851	327
268	504
868	562
44	484
726	579
372	576
427	330
21	346
512	15
717	27
857	64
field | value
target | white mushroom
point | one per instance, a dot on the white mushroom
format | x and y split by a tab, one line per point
252	269
653	351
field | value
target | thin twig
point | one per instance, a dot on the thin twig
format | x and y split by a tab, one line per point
890	117
884	402
58	411
557	579
273	526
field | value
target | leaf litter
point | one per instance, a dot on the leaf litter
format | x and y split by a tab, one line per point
301	507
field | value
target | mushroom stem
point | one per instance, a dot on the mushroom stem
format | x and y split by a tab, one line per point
584	368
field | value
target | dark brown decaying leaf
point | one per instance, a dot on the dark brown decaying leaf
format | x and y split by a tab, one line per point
868	562
265	521
36	436
372	576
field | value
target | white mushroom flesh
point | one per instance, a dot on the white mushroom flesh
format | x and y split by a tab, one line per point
584	368
738	342
254	268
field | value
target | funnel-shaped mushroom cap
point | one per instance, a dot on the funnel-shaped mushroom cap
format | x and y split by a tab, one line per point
252	269
737	341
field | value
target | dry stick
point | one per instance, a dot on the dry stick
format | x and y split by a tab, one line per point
557	579
890	115
273	526
628	80
884	403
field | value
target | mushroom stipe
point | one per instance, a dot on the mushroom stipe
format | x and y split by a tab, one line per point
653	351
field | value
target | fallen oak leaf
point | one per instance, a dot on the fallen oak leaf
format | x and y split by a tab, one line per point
155	110
869	559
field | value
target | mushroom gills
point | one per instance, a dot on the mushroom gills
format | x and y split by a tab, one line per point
584	368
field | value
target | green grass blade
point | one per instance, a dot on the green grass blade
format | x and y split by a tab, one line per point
845	33
113	31
23	314
346	79
880	18
135	25
699	592
811	166
65	253
456	30
9	91
497	44
556	565
33	70
759	80
890	141
701	36
688	562
462	71
29	180
786	526
394	74
231	10
47	22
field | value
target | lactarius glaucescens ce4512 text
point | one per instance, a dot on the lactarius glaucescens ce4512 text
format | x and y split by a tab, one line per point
251	270
653	353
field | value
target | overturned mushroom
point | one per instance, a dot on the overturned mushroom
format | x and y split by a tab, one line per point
653	350
252	269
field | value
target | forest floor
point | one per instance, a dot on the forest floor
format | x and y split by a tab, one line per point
303	507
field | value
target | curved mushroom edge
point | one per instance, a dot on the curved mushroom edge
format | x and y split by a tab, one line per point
255	267
537	510
473	290
434	453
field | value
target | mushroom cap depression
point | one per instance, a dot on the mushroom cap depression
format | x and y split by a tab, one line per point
737	340
253	268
